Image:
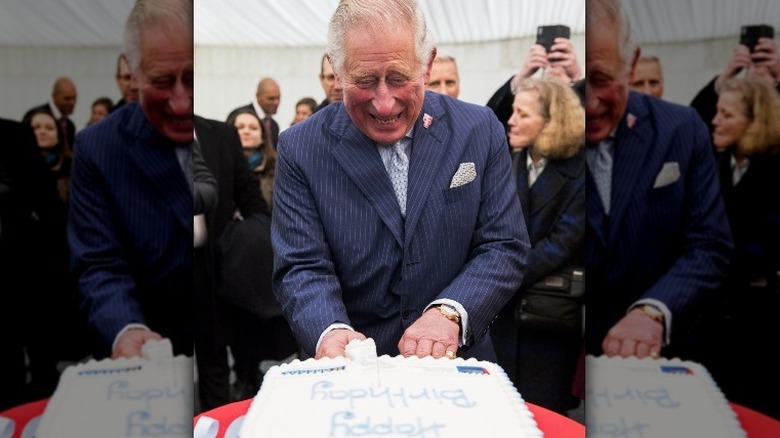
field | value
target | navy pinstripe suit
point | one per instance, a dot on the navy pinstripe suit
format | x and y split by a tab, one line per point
343	252
130	230
671	242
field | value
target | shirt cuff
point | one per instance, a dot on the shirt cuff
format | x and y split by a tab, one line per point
131	326
665	310
464	317
334	326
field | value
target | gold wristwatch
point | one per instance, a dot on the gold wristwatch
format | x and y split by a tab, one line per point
450	313
652	312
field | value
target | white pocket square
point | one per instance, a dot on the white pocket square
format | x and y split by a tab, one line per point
670	172
465	174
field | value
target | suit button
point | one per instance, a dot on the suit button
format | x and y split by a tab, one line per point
405	313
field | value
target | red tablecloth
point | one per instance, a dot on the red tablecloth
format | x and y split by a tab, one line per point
757	425
551	424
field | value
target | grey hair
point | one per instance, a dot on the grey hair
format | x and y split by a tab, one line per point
150	13
600	13
372	14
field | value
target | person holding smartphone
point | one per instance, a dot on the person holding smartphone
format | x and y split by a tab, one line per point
554	55
760	60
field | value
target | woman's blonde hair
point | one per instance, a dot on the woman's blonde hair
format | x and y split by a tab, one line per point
762	105
564	133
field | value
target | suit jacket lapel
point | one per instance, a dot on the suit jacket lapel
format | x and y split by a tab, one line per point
156	159
547	186
632	147
359	158
520	174
428	146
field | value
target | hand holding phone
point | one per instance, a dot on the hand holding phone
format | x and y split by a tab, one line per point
750	34
546	35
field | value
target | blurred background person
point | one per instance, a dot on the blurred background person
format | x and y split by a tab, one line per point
762	62
60	105
101	107
648	77
444	76
303	109
265	105
547	134
261	156
746	137
127	86
33	273
57	159
332	88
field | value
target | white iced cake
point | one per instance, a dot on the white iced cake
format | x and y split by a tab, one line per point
143	396
365	395
655	399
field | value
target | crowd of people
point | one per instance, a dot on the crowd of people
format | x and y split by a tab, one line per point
393	210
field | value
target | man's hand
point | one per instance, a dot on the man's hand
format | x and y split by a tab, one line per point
562	55
634	335
130	342
740	59
334	343
431	335
765	56
537	58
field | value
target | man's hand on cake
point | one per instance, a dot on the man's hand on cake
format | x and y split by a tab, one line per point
130	342
433	334
634	335
334	343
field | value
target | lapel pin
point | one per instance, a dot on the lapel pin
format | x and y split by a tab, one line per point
427	120
631	121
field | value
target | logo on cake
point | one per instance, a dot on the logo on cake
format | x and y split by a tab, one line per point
676	369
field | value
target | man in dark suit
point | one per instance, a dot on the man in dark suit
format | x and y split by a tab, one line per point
130	227
265	106
424	267
657	237
61	104
238	190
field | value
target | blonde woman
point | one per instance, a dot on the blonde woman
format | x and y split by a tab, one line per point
546	134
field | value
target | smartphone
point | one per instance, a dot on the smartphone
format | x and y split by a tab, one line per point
546	35
750	34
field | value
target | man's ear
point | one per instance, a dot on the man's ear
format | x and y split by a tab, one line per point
427	76
632	67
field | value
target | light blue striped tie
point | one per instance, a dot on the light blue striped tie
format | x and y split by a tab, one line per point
399	171
600	164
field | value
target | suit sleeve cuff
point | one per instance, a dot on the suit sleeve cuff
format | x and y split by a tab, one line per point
131	326
464	317
665	310
334	326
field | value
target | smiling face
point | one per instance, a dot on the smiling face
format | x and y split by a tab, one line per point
607	85
731	120
384	83
526	121
165	81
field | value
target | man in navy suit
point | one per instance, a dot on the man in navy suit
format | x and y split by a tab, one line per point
395	216
131	213
657	237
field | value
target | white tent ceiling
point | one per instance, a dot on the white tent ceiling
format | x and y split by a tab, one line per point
42	39
293	23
